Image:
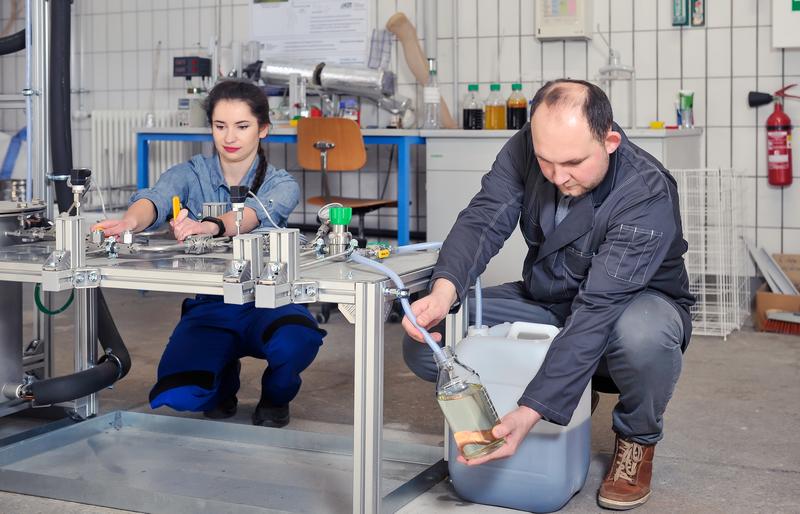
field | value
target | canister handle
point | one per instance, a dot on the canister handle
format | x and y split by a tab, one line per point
536	329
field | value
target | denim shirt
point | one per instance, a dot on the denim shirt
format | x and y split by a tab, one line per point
200	180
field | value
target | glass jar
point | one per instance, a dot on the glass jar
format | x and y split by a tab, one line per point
467	407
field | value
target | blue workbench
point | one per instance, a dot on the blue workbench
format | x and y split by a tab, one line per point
402	138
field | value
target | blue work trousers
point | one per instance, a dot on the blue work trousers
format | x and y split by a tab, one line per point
643	357
200	365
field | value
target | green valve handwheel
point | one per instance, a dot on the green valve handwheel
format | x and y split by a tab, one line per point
340	215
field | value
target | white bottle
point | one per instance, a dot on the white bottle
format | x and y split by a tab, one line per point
431	98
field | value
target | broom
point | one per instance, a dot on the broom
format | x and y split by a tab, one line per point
782	322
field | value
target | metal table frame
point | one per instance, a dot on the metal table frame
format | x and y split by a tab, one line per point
379	137
368	297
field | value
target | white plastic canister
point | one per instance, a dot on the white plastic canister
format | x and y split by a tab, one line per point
551	464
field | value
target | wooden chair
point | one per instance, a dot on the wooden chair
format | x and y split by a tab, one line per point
335	145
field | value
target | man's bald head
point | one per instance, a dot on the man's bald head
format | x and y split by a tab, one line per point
578	94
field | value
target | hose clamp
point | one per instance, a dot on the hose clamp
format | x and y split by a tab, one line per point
396	292
109	355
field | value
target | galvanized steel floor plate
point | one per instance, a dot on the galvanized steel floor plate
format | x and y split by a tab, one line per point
153	463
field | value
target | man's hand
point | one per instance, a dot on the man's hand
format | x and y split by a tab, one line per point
184	227
513	427
115	227
431	309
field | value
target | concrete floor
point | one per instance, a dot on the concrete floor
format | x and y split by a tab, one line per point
731	441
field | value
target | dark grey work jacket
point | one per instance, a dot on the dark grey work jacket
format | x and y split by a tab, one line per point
620	239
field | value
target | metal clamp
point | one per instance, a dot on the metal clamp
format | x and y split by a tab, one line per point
304	292
396	292
109	355
85	278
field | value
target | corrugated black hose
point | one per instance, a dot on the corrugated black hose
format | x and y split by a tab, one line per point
13	43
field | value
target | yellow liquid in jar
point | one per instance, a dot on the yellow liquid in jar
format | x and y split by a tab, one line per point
495	117
471	417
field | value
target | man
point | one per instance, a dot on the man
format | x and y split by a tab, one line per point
605	261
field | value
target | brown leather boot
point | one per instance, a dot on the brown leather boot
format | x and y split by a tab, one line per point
627	484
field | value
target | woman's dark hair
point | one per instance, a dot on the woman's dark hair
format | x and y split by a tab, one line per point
594	104
255	98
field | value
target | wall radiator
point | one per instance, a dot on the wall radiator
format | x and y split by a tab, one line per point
114	154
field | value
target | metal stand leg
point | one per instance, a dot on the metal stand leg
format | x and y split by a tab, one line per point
86	343
368	412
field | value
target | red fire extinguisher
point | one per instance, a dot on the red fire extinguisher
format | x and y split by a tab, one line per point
779	136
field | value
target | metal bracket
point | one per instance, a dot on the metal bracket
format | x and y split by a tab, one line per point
237	285
273	296
304	292
85	278
58	260
56	272
274	273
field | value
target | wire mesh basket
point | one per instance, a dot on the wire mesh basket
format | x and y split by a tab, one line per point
710	204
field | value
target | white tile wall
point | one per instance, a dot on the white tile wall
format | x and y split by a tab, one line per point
721	62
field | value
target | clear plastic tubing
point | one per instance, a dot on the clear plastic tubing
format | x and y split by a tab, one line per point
434	346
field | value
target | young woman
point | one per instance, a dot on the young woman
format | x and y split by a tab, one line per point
199	370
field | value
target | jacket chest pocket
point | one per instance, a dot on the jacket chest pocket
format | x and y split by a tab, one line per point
577	263
195	208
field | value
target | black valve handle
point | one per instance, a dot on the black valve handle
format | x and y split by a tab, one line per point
79	176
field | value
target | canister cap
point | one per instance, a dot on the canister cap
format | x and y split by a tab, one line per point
340	215
472	87
516	87
494	87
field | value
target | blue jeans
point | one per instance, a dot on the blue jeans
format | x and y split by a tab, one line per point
643	357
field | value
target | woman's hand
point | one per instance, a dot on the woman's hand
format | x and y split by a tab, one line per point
184	227
115	227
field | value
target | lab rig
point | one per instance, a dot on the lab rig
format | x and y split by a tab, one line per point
272	268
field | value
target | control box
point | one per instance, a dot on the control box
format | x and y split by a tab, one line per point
189	67
563	19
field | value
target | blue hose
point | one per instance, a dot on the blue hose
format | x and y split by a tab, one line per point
478	303
433	245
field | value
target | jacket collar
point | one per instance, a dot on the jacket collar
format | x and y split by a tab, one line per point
218	179
602	190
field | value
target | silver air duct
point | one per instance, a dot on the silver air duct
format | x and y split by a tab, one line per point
376	84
